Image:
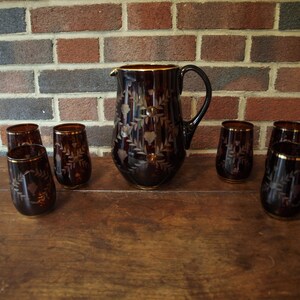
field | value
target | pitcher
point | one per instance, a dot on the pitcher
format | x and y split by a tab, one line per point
150	136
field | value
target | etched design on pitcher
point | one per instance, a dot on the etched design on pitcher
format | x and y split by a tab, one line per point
145	132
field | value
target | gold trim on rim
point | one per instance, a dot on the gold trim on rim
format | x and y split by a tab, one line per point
241	125
285	124
279	153
35	128
75	128
29	159
286	157
147	67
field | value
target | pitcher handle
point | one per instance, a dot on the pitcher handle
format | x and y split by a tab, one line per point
190	126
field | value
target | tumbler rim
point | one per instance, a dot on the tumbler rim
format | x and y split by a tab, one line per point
26	159
284	125
276	149
237	125
74	128
10	129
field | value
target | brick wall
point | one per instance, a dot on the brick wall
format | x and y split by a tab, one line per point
55	61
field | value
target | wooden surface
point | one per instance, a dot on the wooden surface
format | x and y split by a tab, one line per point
194	238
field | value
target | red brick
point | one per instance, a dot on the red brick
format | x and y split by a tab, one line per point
218	15
109	109
223	48
173	48
271	109
186	107
16	82
149	15
288	80
221	108
76	18
231	79
206	137
268	136
78	50
78	109
275	49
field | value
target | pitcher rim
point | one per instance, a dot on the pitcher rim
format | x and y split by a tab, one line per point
147	67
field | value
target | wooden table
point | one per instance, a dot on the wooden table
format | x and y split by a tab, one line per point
194	238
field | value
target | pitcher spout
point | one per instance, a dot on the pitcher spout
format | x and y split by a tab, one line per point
114	72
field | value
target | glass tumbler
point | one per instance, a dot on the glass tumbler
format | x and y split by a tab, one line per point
31	183
234	158
280	188
23	134
72	162
285	131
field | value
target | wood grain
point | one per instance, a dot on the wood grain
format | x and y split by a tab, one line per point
198	242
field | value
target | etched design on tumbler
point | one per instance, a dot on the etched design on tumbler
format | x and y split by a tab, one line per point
235	150
72	162
237	157
283	189
74	156
280	188
24	187
31	183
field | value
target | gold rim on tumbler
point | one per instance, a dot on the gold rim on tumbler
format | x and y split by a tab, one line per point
283	153
69	128
236	125
18	129
12	158
287	126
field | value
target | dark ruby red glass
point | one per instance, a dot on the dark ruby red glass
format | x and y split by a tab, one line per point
280	189
150	137
23	134
72	162
31	183
235	151
285	131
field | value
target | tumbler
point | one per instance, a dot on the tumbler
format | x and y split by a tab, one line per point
31	183
23	134
234	158
285	131
72	162
280	188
